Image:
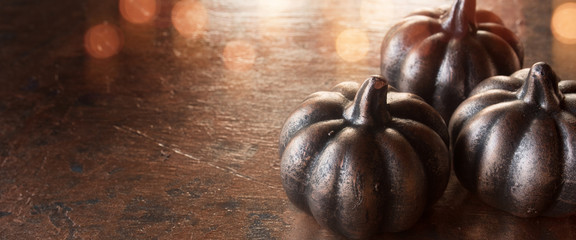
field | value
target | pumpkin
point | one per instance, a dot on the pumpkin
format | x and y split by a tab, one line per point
514	142
441	55
362	160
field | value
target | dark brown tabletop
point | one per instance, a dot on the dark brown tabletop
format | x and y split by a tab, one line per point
160	119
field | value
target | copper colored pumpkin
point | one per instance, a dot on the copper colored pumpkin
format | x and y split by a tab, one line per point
366	159
514	143
440	55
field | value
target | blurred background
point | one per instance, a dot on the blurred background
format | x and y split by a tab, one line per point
354	28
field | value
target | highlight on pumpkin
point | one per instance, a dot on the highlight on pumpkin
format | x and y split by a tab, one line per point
352	44
190	18
138	11
103	40
562	23
238	56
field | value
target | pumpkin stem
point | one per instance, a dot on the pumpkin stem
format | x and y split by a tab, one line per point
541	87
461	19
369	105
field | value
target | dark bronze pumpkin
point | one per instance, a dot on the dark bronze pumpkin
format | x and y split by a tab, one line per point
440	55
366	159
514	142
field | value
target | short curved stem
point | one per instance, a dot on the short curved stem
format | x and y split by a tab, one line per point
541	88
369	106
461	18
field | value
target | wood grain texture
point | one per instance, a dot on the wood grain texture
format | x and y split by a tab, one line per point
163	141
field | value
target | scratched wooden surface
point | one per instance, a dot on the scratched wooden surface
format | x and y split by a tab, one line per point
174	135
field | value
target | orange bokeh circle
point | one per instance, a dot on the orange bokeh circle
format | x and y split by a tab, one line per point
103	40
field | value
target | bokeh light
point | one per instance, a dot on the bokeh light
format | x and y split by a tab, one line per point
273	17
563	23
103	40
239	56
190	18
352	45
138	11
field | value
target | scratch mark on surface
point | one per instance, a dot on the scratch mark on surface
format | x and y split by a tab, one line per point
158	143
256	197
568	201
41	165
177	150
4	162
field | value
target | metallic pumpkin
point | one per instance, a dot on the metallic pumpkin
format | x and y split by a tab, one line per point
440	55
363	160
514	143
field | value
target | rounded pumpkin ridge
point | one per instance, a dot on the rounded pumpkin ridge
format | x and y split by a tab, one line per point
364	163
442	54
513	143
